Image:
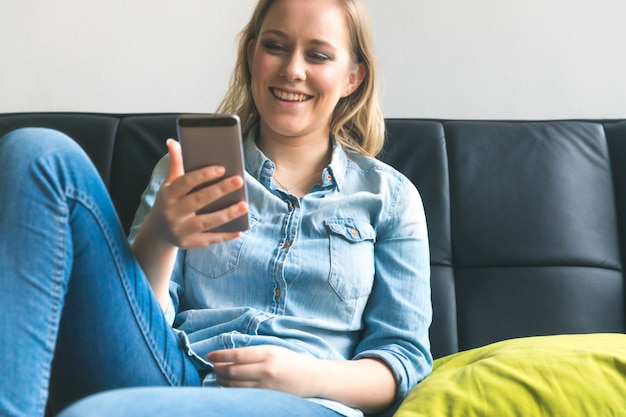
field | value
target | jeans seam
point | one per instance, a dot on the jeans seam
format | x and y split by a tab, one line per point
139	316
58	281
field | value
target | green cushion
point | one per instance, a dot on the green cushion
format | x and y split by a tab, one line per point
564	375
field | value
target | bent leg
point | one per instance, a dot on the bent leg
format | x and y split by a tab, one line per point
192	402
71	289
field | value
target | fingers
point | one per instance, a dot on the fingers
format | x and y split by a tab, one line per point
241	367
185	184
191	231
239	355
194	231
184	194
265	366
176	160
199	198
189	205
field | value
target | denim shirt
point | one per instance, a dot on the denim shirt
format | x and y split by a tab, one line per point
340	273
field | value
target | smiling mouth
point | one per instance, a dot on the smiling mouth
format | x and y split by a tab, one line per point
285	96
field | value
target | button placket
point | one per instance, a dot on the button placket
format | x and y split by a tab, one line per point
285	244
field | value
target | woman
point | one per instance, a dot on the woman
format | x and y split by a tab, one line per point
321	308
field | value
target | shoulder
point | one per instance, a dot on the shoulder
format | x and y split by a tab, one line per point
398	200
376	171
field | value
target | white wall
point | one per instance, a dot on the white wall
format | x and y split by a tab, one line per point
446	58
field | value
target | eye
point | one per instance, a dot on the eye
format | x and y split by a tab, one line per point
319	57
273	47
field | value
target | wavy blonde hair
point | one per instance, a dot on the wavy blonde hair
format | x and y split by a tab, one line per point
357	122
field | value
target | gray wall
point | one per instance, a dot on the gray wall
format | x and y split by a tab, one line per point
446	58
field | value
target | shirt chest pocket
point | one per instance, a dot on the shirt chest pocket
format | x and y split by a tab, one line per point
219	259
351	257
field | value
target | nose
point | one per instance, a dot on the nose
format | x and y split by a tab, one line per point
294	68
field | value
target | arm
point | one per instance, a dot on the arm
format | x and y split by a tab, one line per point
172	222
399	310
366	384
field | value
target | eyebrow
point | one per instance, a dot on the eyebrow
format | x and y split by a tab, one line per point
317	42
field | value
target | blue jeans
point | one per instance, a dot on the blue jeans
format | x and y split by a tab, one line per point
196	402
77	315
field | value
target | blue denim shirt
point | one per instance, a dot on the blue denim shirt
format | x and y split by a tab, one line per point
340	273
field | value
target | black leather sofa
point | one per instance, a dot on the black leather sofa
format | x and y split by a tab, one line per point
527	219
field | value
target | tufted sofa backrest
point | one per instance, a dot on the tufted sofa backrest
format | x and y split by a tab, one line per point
527	220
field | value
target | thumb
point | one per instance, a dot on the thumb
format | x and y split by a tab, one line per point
176	160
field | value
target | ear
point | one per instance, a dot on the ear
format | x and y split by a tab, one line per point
250	51
355	79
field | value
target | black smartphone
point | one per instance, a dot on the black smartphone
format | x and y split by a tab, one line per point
215	139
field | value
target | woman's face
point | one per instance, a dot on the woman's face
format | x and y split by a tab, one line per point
301	66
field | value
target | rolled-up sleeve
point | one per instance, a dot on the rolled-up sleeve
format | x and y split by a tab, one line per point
399	310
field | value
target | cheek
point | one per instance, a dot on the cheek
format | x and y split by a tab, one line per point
259	71
263	65
332	81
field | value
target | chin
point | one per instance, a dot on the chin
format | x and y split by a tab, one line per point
288	128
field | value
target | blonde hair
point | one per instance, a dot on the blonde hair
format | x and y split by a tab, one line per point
357	122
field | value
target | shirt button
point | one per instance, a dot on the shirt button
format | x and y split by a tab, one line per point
277	292
329	177
286	245
354	232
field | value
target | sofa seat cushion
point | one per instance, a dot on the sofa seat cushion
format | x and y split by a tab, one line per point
563	375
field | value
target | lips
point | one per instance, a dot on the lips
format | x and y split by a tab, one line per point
287	96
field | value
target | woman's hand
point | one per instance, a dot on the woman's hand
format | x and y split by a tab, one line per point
265	366
172	222
366	384
173	217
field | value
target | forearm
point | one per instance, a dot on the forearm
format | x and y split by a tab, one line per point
366	384
157	261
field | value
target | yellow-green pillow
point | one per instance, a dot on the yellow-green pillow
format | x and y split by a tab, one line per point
564	375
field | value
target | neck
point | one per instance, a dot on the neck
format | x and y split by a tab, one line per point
299	161
292	155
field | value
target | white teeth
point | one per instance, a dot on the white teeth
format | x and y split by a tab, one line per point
283	95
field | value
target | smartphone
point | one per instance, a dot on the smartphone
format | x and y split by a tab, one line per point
215	139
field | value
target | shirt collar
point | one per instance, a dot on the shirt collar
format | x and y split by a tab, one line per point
262	168
336	171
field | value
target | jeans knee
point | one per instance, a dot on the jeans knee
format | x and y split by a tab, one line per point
29	143
35	139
